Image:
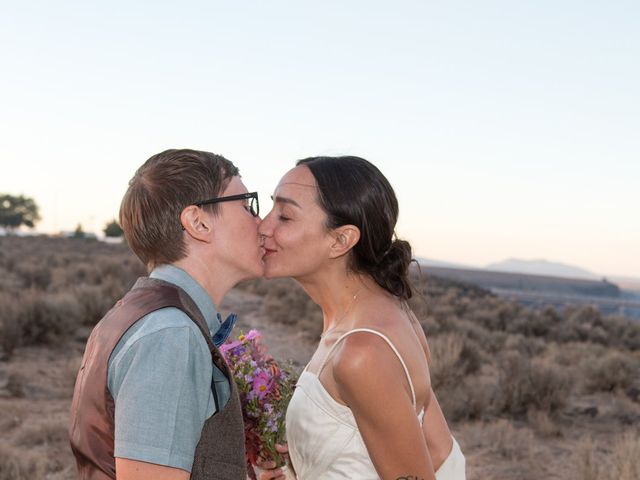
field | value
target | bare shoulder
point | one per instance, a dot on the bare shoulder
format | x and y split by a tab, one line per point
358	355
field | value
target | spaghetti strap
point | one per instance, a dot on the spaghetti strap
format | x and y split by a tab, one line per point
384	337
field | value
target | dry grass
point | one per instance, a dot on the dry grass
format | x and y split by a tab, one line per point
39	432
619	460
523	387
543	424
57	286
16	464
625	457
509	451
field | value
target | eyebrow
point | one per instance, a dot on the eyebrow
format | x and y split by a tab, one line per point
289	201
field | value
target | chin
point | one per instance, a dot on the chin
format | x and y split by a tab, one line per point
279	271
272	271
257	271
269	273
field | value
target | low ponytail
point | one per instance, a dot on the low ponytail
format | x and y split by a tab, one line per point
392	272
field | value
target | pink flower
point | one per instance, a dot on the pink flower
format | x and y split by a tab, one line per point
253	335
261	385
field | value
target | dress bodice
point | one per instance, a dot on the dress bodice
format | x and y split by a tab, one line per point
324	440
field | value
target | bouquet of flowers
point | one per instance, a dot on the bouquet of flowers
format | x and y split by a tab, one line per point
265	390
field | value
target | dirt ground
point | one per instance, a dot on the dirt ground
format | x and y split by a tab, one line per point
37	383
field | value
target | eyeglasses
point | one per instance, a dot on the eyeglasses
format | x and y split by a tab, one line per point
253	206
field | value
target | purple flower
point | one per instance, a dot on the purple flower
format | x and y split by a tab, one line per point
272	426
226	347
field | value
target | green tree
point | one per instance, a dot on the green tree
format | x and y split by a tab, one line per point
113	229
78	232
16	211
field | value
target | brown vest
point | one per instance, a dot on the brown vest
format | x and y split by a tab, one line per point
220	453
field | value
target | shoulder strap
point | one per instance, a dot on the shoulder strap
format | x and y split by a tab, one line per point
384	337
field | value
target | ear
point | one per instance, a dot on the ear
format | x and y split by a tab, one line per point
344	239
196	223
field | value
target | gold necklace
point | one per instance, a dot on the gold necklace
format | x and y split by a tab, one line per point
346	310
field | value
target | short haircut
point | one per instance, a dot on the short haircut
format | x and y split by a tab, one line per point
158	192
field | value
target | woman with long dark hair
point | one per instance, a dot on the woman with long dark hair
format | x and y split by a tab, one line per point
363	407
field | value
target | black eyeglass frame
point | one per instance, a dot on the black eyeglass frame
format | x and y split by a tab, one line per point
242	196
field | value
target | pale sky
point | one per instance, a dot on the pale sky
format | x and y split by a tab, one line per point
508	129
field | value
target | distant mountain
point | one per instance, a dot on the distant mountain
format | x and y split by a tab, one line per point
428	262
542	267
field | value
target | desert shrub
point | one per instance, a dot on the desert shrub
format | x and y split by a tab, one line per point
93	302
10	331
57	285
71	369
258	286
20	465
531	324
45	318
453	356
586	324
623	332
444	304
470	399
443	315
609	372
16	385
46	431
543	425
490	342
525	384
34	275
287	303
527	346
572	353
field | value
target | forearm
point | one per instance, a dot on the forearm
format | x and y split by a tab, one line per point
135	470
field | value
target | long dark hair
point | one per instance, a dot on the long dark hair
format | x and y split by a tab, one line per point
352	191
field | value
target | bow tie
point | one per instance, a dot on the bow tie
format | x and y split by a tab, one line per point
225	329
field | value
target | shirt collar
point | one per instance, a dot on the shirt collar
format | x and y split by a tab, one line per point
180	278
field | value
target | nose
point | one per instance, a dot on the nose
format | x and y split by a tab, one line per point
264	227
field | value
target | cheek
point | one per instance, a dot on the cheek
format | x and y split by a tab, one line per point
296	237
300	251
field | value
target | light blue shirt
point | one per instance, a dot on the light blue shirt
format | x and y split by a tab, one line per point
160	376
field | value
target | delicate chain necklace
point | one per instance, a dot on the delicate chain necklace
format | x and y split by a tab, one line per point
346	310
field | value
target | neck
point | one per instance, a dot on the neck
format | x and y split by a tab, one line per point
334	292
211	277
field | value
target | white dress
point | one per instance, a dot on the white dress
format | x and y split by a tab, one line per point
324	440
